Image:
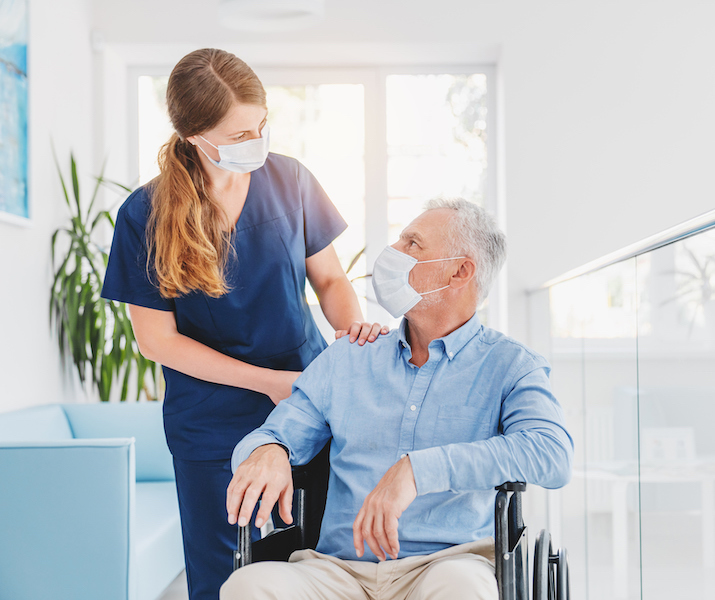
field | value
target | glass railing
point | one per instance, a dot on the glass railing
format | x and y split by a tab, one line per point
631	341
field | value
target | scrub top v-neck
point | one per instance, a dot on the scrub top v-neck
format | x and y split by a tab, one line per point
263	320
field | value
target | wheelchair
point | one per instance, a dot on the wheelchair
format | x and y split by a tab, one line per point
310	483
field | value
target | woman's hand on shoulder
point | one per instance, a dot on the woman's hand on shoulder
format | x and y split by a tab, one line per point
362	332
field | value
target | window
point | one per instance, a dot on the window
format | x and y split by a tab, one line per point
380	141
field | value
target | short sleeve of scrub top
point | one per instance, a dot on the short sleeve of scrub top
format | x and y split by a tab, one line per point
263	320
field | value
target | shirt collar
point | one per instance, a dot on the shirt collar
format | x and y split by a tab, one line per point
453	342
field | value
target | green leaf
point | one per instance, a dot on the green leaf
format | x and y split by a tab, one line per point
75	184
354	260
102	214
97	185
62	180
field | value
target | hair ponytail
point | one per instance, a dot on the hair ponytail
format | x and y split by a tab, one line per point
186	242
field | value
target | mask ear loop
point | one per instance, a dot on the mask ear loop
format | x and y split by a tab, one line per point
437	260
209	143
215	162
441	259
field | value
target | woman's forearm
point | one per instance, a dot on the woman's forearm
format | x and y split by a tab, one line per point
159	340
184	354
340	304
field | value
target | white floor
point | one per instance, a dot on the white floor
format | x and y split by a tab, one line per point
177	590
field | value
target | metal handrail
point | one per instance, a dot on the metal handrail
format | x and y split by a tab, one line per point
673	234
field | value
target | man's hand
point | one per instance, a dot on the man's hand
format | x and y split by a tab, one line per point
264	474
376	522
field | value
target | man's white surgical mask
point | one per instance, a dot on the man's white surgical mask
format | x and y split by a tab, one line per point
242	157
390	279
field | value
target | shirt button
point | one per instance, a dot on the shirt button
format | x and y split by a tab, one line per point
413	407
450	354
403	455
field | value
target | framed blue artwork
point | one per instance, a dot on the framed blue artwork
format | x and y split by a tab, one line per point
14	198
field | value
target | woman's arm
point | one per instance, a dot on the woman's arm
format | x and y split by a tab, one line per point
337	297
159	340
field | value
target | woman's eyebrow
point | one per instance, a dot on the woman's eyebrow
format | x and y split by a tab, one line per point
247	130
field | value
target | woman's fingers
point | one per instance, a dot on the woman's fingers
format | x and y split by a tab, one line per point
363	332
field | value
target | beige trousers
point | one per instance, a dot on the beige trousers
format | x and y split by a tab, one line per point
460	572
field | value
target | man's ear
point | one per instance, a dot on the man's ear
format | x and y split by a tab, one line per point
464	274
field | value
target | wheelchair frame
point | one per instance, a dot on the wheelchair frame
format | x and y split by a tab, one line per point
550	574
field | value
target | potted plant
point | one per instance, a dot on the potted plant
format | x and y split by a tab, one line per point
94	333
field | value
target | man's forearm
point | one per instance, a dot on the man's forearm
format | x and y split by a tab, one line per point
538	457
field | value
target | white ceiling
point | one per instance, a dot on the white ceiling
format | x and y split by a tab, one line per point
195	21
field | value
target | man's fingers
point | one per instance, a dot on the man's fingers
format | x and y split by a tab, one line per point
374	545
358	540
268	501
285	504
378	530
367	529
393	539
233	500
250	498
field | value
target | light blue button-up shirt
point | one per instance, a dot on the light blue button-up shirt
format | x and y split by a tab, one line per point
478	413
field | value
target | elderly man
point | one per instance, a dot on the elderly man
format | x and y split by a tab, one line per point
424	423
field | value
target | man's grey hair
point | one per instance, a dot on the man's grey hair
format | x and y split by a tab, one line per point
475	234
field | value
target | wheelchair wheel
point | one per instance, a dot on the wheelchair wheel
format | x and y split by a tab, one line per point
562	575
542	571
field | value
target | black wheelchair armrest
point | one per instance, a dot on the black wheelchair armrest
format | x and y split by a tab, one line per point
278	544
510	542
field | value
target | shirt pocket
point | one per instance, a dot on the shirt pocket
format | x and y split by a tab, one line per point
456	424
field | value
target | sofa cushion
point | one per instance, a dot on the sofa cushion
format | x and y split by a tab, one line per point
159	551
140	420
35	424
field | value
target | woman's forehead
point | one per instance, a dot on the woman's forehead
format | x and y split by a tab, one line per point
242	117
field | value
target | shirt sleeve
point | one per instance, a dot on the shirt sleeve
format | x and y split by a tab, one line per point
322	221
534	446
297	423
127	279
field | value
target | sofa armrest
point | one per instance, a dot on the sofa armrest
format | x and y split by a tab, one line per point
141	420
67	517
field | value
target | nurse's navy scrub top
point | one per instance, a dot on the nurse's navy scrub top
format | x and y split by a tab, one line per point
263	320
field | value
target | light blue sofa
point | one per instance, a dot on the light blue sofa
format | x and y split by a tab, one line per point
88	506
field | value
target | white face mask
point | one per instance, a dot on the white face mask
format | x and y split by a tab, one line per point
243	157
391	281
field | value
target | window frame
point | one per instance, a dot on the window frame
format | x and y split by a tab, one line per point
373	79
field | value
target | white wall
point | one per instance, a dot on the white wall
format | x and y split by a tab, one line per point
60	111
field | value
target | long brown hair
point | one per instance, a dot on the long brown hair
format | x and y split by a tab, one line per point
186	241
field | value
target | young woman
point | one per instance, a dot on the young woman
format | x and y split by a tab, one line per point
211	258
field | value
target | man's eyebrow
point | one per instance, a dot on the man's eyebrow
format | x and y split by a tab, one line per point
411	235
